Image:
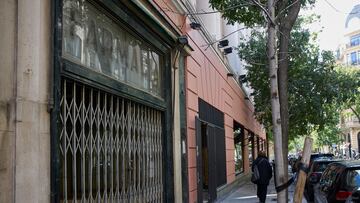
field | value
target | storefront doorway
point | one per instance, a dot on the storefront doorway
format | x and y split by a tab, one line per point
210	151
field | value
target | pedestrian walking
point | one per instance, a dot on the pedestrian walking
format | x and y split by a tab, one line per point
265	173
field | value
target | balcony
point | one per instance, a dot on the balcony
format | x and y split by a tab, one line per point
351	122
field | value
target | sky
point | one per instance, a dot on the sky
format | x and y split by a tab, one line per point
332	21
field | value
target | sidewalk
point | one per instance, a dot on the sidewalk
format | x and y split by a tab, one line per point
247	193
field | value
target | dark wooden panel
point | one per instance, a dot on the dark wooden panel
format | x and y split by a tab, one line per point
210	114
220	156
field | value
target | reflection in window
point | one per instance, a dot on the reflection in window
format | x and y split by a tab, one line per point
354	58
73	31
251	148
92	39
238	154
355	40
320	166
353	178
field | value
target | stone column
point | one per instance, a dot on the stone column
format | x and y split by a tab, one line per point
24	120
7	98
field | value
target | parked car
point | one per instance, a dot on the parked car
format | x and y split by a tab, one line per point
338	181
317	167
313	156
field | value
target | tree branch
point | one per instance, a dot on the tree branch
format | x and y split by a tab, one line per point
293	13
265	11
233	32
355	112
281	6
284	9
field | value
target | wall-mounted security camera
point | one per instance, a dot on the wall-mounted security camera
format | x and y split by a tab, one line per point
183	40
228	50
195	25
223	43
242	78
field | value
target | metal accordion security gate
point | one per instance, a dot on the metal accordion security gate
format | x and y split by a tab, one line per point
110	147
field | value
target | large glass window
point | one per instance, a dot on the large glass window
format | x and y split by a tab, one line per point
251	148
97	42
238	154
354	60
355	40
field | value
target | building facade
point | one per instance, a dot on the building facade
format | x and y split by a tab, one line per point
121	101
213	168
349	55
349	51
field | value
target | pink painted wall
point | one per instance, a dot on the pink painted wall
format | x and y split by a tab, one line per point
206	78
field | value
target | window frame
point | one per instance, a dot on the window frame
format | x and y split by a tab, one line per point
132	25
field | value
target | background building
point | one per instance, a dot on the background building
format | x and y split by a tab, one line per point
349	51
349	55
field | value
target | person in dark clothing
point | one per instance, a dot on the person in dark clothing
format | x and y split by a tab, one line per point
265	172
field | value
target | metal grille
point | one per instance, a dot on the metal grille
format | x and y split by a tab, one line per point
111	147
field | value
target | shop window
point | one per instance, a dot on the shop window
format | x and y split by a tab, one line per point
239	149
110	139
251	148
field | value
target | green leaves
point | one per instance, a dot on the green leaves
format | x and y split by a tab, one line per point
248	13
239	11
316	88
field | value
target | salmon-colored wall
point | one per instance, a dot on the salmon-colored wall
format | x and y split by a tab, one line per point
206	78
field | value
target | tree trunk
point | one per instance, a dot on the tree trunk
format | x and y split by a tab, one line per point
275	105
283	83
283	92
286	25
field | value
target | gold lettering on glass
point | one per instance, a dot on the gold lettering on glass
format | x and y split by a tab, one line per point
95	41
